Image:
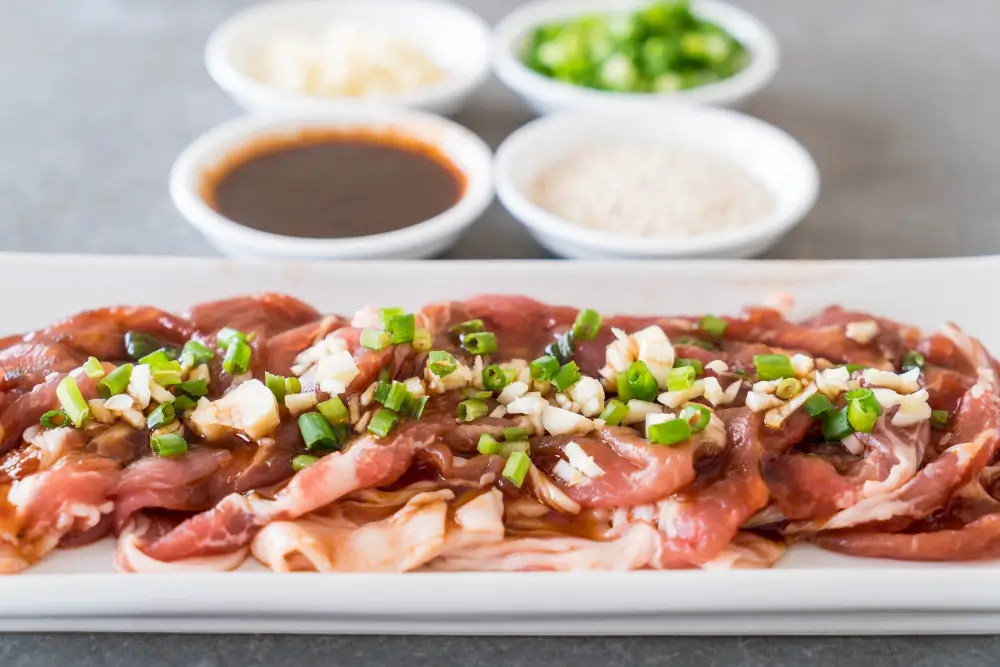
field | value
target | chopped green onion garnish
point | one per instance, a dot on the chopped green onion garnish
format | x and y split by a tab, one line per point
517	467
913	359
472	392
543	368
384	374
72	401
614	412
115	382
488	445
402	329
691	341
303	461
494	378
442	363
93	368
414	407
139	344
483	342
195	352
511	433
836	427
698	367
397	397
788	388
508	448
156	359
374	339
293	385
566	377
939	419
383	422
334	410
472	326
866	398
316	431
669	432
227	336
386	315
382	390
54	419
562	348
276	383
623	389
587	324
182	403
679	378
641	381
237	360
713	325
167	377
852	368
773	366
161	416
697	416
861	417
472	409
168	444
422	340
817	404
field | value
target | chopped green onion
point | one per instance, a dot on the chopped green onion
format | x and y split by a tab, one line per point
587	324
697	416
852	368
397	397
422	340
93	368
517	467
227	336
156	359
669	432
402	328
115	382
511	433
699	369
543	368
679	378
913	359
713	326
334	410
691	341
866	398
195	352
161	416
382	390
374	339
818	404
614	412
293	385
488	445
494	378
384	373
483	342
442	363
939	419
508	448
237	360
182	403
861	417
788	388
139	344
623	389
471	326
168	444
276	383
773	366
472	392
303	461
72	401
414	407
836	426
383	422
54	419
472	409
386	316
167	378
316	431
641	381
567	376
562	348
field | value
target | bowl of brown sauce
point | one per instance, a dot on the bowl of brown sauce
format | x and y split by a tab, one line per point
347	185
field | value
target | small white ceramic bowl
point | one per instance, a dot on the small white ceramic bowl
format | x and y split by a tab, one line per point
453	38
544	94
470	155
771	156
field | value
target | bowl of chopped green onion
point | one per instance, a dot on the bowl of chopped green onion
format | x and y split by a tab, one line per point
560	54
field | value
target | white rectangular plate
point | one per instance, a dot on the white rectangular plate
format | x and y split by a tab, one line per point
809	592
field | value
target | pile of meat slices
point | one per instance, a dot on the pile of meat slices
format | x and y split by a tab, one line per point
423	497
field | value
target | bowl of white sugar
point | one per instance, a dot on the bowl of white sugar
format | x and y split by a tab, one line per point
672	182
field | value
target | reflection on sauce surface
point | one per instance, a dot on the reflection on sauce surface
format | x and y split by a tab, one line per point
333	184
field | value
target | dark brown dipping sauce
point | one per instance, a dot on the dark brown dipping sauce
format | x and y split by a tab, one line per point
334	184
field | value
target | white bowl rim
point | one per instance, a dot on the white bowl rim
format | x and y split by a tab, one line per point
542	221
221	140
237	82
764	61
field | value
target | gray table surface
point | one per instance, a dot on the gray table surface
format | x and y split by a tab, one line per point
894	98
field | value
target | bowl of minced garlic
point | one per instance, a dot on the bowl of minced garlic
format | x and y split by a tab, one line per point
314	54
665	182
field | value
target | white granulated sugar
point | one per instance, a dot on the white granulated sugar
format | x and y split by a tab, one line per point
651	190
